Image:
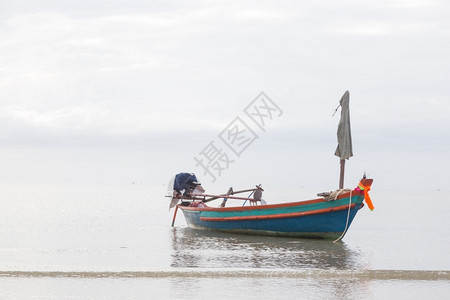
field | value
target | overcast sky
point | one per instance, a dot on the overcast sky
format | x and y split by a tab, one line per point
121	91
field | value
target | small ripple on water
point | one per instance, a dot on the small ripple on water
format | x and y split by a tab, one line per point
263	273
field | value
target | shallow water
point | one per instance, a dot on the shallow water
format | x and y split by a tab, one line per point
115	242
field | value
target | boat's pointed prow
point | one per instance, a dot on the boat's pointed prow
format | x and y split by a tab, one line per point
364	185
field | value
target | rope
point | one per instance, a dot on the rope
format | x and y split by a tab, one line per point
348	217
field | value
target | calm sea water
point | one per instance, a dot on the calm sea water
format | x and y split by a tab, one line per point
116	242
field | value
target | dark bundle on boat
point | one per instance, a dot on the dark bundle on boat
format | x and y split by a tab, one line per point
186	182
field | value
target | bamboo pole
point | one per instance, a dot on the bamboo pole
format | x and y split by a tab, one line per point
224	202
174	215
201	196
341	177
214	197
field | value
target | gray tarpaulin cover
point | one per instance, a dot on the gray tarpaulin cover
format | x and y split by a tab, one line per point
344	148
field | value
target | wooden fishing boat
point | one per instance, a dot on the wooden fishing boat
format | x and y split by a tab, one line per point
325	217
328	216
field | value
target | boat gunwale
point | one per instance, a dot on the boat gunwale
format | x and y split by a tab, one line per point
266	206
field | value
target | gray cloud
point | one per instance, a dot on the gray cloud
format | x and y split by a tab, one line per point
140	73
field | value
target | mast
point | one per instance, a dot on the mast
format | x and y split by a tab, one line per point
341	175
344	149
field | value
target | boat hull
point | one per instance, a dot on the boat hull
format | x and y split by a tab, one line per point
314	218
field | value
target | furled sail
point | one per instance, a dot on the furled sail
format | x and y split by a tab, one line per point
344	148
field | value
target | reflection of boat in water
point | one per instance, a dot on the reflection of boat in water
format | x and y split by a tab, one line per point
327	217
207	249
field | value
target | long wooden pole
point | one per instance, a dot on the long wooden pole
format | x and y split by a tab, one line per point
174	215
224	202
214	197
341	177
201	196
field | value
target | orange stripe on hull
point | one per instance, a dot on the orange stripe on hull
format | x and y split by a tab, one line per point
276	216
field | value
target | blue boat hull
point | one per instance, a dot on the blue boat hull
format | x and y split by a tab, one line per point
315	219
